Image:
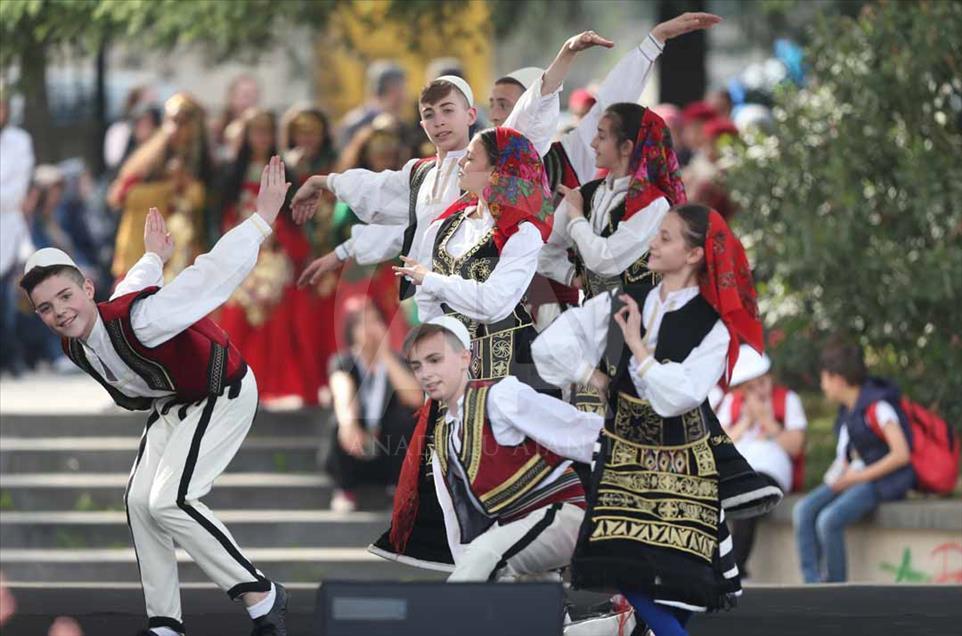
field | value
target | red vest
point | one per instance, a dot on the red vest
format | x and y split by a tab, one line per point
779	396
198	362
508	481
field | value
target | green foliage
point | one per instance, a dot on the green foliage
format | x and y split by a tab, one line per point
853	208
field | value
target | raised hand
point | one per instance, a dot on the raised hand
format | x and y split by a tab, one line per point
629	320
684	23
156	237
273	190
412	269
586	40
318	267
306	199
576	202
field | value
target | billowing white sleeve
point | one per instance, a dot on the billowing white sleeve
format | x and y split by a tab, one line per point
372	244
516	411
553	260
202	287
428	304
536	116
624	83
674	388
375	197
570	348
146	272
497	297
612	255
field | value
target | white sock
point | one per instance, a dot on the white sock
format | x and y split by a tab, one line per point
260	608
165	631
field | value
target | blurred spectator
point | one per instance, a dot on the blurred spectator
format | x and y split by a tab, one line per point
119	136
274	324
703	176
375	396
872	466
243	93
377	148
721	101
8	604
16	167
307	143
579	103
767	423
386	93
65	626
693	117
171	171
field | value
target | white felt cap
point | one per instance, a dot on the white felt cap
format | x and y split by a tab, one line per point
46	257
750	365
462	86
455	326
526	76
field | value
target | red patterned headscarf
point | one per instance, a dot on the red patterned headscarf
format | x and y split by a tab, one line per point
518	192
653	167
728	287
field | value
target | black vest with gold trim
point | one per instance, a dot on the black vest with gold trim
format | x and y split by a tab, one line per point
490	482
501	347
637	275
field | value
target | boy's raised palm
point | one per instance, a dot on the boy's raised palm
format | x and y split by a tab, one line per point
273	190
156	237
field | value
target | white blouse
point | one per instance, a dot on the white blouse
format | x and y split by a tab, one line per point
569	350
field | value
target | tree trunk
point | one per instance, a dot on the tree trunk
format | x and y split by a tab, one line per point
683	74
36	115
95	155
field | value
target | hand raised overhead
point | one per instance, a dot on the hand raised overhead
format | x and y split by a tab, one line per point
273	190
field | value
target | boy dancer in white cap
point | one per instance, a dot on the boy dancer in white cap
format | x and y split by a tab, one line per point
397	206
153	349
501	455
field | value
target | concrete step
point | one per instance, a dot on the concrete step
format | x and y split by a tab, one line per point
116	454
306	422
251	528
104	491
296	565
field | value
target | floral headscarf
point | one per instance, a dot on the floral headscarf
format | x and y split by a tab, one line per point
518	192
653	167
728	287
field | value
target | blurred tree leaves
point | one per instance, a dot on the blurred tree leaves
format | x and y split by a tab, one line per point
853	207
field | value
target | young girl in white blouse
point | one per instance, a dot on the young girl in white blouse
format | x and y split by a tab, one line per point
655	527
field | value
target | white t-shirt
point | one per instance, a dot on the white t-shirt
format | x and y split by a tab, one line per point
763	454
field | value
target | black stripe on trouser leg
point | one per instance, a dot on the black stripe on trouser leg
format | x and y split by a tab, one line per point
163	621
192	512
153	417
526	540
243	588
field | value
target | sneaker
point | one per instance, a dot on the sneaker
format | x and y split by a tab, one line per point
274	622
343	501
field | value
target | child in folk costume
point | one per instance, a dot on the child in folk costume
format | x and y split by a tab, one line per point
655	525
153	349
485	251
610	223
399	205
512	504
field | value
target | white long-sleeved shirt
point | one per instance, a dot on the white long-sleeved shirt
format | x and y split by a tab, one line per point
381	199
488	301
16	169
193	294
624	83
569	350
605	256
516	411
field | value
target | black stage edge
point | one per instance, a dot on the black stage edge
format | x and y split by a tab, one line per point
819	610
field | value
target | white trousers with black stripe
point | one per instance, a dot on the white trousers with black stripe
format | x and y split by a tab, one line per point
533	546
184	448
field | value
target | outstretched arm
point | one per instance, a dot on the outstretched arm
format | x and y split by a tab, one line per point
149	270
625	83
209	282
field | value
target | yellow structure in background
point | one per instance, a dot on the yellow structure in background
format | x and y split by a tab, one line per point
363	33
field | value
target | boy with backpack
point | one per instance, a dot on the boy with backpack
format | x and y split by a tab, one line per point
873	463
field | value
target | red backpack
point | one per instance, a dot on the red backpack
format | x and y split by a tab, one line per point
935	448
